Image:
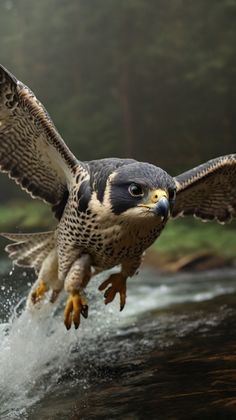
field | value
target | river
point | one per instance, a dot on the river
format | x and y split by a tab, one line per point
169	355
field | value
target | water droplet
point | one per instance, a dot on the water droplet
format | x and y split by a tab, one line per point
12	271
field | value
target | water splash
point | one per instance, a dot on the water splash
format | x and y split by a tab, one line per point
36	345
37	353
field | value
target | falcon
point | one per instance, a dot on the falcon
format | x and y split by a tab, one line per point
109	211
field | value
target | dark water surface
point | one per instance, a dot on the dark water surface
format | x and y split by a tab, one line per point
171	354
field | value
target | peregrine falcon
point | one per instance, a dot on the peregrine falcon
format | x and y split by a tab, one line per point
109	211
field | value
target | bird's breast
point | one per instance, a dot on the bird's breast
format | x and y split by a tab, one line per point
108	240
110	245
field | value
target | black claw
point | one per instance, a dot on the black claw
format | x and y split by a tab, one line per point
67	327
107	292
33	297
54	296
122	307
76	326
84	311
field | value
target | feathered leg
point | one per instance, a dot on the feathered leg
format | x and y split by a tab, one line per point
47	280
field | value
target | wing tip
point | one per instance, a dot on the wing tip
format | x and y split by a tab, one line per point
8	74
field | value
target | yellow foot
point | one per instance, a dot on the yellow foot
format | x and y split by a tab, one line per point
75	305
38	294
118	285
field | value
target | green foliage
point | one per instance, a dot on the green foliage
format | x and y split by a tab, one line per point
185	236
25	216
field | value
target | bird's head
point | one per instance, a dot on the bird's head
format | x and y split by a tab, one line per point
141	190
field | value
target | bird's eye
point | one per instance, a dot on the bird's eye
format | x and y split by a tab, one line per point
172	195
136	190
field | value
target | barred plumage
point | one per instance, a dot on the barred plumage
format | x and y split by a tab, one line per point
109	210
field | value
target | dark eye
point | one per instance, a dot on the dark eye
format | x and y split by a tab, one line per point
136	190
172	195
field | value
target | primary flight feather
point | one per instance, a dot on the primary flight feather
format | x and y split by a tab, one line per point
109	211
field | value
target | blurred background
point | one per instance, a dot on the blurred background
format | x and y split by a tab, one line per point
153	80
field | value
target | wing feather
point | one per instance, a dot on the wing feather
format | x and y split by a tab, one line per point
31	150
208	191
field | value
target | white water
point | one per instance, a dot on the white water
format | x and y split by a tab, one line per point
37	345
35	349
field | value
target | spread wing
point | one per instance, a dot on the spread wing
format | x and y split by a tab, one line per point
208	191
31	150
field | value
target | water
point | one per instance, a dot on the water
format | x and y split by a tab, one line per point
160	355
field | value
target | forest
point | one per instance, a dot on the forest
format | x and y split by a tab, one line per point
152	80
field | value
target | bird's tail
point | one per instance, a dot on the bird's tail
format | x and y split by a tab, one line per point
30	249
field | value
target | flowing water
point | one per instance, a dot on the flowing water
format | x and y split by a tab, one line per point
169	354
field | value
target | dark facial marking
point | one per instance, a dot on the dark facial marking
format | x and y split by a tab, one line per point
121	199
146	176
84	196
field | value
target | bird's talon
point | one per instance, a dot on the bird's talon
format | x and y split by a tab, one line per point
68	325
107	292
117	284
39	293
75	306
84	311
122	307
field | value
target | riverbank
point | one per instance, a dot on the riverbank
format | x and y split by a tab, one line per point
190	244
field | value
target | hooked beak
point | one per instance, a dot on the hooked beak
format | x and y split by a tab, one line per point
162	208
158	203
